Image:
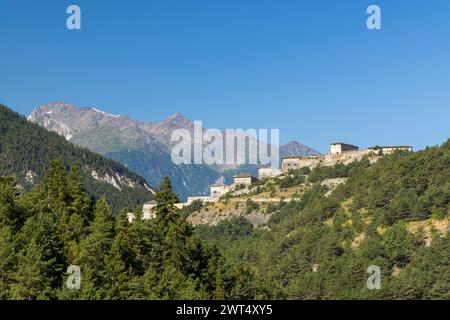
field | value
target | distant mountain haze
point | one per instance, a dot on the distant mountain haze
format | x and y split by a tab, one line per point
144	147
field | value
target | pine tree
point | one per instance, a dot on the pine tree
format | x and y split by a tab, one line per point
74	220
55	186
79	201
94	248
102	228
7	261
31	281
40	231
136	242
10	214
115	276
173	285
166	200
244	286
150	281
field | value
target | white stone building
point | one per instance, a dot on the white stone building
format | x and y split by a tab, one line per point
203	199
340	147
295	163
380	150
219	189
244	179
148	210
268	172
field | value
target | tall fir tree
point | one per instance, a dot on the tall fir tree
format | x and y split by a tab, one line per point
166	200
31	282
10	213
7	261
94	248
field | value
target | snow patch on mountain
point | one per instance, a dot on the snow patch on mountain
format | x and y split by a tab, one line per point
107	114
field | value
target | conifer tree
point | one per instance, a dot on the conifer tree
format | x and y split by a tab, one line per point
10	214
115	276
102	228
79	201
40	231
149	282
166	200
55	185
95	247
7	261
135	242
30	281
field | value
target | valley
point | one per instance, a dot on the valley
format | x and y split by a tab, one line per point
144	147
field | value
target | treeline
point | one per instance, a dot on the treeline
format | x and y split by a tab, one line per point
320	247
56	225
27	148
404	187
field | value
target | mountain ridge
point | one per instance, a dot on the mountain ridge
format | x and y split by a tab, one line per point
28	149
145	147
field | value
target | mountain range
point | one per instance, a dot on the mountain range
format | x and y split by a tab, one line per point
144	147
27	150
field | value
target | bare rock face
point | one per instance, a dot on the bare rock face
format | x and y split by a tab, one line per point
77	119
212	215
295	148
44	118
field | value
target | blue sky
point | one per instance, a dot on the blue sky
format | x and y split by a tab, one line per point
310	68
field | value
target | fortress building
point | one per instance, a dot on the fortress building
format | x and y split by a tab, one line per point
268	172
244	179
340	147
203	199
217	190
341	153
148	211
293	163
380	150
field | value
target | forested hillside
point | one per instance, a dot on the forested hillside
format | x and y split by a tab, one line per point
54	226
26	151
393	214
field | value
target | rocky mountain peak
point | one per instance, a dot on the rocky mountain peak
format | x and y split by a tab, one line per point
176	121
145	147
295	148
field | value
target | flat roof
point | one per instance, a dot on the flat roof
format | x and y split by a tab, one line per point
218	185
244	175
346	144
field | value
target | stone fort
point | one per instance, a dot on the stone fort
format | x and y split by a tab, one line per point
340	153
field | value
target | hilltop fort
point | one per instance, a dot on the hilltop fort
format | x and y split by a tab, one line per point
340	152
